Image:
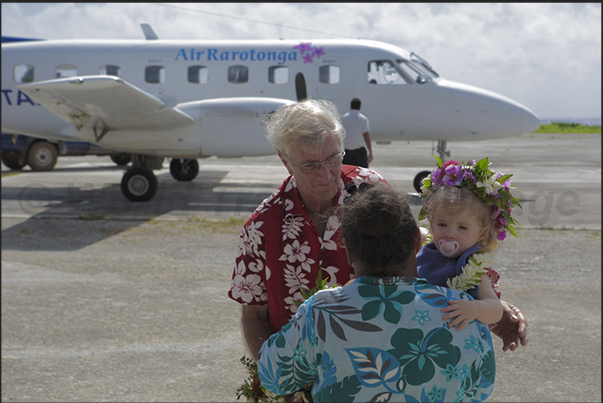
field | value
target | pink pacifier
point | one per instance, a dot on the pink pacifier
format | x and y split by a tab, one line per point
448	248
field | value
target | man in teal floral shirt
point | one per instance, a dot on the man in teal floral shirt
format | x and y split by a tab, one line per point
382	336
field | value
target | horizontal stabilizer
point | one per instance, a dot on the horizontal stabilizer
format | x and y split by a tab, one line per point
8	39
106	102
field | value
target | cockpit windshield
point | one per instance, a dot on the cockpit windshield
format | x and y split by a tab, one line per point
416	71
416	58
384	72
403	71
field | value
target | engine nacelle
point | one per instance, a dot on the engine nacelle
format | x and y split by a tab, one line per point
224	127
233	127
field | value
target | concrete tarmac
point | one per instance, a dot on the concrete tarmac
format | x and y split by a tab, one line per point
108	300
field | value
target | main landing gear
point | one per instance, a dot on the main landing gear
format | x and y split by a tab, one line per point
441	150
140	184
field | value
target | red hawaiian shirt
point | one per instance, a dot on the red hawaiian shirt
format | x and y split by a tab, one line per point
280	250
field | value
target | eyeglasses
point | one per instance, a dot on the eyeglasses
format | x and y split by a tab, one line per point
312	167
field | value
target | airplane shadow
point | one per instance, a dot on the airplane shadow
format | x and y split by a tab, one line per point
75	168
72	210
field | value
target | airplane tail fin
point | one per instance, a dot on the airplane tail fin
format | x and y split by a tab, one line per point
149	34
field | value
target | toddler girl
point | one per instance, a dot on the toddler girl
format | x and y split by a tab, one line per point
469	211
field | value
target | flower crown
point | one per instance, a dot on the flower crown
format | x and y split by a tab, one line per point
492	187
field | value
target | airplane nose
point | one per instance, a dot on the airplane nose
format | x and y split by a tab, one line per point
485	114
529	121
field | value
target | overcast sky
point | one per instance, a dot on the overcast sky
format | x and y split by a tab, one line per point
545	56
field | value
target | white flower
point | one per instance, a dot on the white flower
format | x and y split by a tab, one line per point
295	252
490	185
368	176
247	288
472	272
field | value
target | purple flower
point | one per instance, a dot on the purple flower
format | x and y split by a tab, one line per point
454	175
469	176
436	178
500	224
303	47
307	58
501	221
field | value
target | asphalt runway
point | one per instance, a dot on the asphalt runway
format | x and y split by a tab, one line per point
557	177
108	300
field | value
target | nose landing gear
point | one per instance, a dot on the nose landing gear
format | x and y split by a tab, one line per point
443	153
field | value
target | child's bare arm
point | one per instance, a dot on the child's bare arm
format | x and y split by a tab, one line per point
487	309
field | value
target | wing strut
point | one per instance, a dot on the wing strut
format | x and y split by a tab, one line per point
100	126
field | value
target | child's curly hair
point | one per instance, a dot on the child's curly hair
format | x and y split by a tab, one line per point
453	200
378	227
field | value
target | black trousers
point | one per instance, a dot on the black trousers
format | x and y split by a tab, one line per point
357	156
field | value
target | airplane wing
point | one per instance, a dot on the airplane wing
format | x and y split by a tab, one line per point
106	103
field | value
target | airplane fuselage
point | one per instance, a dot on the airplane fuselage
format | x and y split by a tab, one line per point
403	99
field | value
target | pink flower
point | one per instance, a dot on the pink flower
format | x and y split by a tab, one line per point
448	163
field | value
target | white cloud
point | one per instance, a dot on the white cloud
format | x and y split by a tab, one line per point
544	55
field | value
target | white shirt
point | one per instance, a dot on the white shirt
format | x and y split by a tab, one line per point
355	124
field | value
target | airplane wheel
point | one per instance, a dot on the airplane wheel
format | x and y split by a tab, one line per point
418	181
12	160
121	159
184	170
139	184
42	156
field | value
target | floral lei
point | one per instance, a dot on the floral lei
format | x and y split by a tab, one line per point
492	187
472	272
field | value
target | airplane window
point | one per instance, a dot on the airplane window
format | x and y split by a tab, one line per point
278	74
383	72
66	70
154	74
198	74
328	74
414	70
110	70
238	74
23	73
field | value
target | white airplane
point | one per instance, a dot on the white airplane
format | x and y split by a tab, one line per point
189	99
